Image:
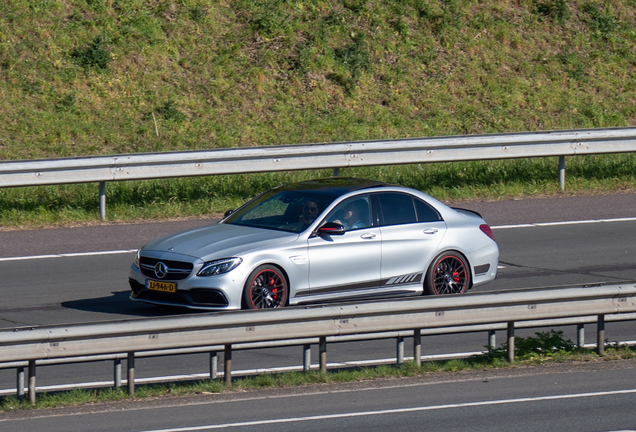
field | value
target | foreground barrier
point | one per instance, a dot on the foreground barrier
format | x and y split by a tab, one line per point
445	314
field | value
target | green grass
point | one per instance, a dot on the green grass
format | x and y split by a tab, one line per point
85	77
207	196
542	349
95	77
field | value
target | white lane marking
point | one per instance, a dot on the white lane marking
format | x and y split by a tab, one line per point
581	222
67	255
539	224
394	411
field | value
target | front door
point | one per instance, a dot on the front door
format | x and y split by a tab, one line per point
346	265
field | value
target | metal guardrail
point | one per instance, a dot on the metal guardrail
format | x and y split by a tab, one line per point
102	169
244	327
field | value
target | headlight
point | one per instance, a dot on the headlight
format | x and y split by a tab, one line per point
136	260
216	267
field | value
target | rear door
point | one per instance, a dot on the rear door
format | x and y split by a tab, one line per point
411	231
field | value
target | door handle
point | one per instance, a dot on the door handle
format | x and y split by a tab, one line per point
367	236
430	231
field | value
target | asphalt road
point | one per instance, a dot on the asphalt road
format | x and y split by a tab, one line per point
37	290
573	397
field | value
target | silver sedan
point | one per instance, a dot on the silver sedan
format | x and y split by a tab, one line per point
322	240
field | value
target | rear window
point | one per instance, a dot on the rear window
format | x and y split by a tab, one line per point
398	209
425	213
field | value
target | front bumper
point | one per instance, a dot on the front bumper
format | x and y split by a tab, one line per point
221	292
201	298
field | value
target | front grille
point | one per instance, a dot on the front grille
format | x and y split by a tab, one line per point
177	270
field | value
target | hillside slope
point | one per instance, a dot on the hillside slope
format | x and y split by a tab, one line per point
86	77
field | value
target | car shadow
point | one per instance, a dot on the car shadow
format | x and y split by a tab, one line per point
119	303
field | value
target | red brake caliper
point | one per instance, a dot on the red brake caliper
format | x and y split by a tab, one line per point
272	282
456	277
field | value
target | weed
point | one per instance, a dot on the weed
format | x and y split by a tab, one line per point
573	66
197	13
302	60
355	6
603	22
32	87
94	55
438	18
556	10
170	112
542	345
96	5
355	58
270	22
65	103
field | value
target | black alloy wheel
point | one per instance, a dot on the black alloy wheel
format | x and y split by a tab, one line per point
266	288
448	274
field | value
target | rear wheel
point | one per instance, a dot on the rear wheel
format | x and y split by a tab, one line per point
266	288
448	274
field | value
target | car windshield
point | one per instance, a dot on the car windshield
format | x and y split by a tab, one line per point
291	211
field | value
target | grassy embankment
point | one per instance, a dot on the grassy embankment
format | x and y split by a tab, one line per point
93	77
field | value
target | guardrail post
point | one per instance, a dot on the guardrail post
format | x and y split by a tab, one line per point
562	172
117	372
306	357
580	335
20	383
336	172
131	373
214	365
32	382
492	340
511	341
400	351
600	336
322	348
417	347
228	364
102	200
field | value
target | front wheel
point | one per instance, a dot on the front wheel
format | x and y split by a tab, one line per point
448	274
266	288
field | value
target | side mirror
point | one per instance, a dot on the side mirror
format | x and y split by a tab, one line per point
227	213
331	228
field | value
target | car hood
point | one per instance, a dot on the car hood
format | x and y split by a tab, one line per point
219	241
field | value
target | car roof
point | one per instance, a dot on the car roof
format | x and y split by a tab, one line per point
332	186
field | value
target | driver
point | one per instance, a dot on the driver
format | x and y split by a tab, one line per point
308	213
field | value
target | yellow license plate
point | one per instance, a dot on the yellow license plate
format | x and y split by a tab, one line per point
161	286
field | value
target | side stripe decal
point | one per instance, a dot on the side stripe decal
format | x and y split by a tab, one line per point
403	279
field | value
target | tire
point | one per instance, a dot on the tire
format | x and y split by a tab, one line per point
266	288
449	273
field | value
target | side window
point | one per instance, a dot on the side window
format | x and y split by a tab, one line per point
425	213
353	213
397	208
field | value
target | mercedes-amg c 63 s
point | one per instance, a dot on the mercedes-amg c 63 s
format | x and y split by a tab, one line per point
316	241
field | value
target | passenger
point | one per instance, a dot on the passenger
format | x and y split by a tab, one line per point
355	215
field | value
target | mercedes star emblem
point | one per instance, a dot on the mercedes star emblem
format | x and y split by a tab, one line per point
161	270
